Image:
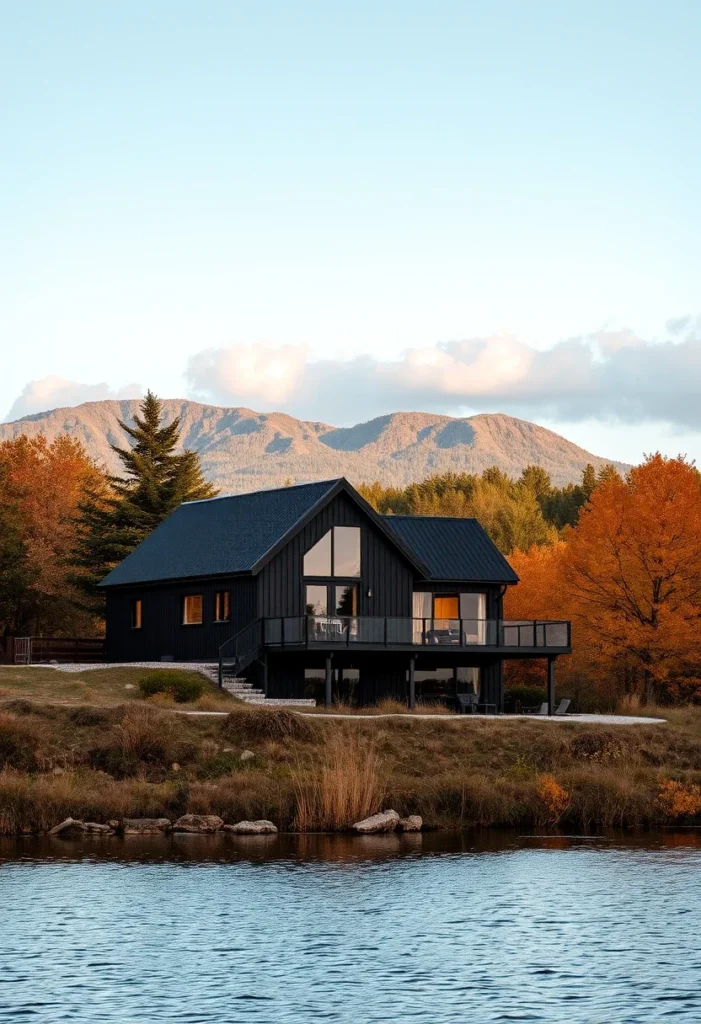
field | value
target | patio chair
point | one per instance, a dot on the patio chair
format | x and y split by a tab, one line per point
538	709
562	707
469	703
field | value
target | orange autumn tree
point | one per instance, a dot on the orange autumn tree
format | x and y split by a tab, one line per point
42	486
538	595
632	578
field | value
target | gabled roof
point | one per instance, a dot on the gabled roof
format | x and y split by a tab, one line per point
235	533
218	536
452	548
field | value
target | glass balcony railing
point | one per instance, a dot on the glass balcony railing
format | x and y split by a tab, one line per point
339	630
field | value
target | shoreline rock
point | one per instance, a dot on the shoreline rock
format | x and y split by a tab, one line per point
385	821
412	823
145	826
69	826
201	824
262	827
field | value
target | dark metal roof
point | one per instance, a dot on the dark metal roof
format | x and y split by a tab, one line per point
220	536
238	533
452	548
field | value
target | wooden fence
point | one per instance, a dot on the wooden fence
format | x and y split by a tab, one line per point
40	650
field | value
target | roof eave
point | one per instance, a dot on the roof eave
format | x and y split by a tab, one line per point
200	577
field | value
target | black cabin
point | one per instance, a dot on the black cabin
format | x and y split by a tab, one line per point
311	593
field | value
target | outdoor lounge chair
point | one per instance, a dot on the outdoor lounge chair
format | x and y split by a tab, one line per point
469	704
538	709
542	709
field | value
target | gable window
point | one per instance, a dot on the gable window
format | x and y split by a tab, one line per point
222	606
192	610
317	561
346	551
336	554
136	613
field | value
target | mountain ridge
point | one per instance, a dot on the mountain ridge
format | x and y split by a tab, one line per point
243	450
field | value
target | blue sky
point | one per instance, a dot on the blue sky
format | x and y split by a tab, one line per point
345	209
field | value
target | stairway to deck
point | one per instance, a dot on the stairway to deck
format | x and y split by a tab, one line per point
247	692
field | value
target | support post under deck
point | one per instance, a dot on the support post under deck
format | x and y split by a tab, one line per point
329	689
551	685
412	682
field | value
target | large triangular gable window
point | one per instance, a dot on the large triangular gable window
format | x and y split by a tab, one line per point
336	554
317	561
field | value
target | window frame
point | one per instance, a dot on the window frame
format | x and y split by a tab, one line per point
226	596
183	606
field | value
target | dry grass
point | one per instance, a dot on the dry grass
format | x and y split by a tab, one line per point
106	687
313	773
383	707
344	787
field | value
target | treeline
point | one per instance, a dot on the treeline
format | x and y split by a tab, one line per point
64	522
628	576
619	557
517	514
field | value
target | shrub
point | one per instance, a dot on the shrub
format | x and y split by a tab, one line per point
680	800
261	723
183	687
141	737
554	796
20	743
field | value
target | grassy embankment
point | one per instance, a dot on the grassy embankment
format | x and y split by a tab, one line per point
84	746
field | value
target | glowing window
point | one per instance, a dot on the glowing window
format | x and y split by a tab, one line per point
192	610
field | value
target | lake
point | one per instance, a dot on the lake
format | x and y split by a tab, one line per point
433	928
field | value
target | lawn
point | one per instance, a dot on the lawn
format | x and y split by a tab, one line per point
102	687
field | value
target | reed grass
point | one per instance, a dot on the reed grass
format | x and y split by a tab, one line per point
345	787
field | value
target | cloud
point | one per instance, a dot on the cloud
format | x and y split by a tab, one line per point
612	375
56	392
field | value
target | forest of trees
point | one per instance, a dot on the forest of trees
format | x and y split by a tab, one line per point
516	514
64	522
620	557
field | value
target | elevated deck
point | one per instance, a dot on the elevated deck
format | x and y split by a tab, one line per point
517	638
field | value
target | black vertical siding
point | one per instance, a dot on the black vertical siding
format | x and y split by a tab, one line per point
384	571
162	633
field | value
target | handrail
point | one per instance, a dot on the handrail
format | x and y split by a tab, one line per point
244	644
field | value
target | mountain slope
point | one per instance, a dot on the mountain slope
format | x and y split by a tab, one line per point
243	450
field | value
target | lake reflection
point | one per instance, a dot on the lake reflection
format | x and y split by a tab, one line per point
292	930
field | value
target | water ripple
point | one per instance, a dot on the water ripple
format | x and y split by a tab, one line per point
578	936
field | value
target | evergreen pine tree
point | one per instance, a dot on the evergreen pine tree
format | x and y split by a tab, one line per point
157	479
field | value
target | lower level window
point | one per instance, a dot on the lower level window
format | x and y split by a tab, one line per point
222	606
442	684
192	610
344	684
136	612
